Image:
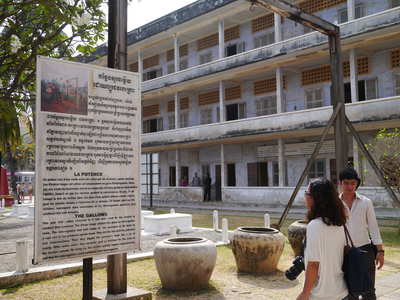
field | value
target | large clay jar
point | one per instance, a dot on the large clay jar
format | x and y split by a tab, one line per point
185	263
296	234
257	250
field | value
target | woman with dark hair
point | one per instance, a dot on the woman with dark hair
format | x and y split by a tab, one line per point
325	242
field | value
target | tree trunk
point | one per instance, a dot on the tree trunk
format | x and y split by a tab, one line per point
12	164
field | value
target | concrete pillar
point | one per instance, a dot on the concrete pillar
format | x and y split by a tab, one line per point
177	168
351	10
3	203
279	91
177	111
221	38
176	52
140	64
281	162
222	167
221	101
353	75
225	236
267	221
22	264
277	27
172	211
215	220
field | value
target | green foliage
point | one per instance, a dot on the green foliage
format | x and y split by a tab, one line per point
385	148
55	28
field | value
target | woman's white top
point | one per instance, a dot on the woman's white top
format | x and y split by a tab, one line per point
325	245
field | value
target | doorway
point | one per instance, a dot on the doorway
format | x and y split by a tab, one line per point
218	191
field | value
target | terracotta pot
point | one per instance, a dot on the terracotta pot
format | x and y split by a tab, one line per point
296	234
257	250
185	263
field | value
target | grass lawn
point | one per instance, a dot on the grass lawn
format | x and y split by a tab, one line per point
225	283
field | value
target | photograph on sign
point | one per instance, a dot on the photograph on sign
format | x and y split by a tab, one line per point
87	161
66	92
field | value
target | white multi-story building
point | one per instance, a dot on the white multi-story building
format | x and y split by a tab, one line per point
243	94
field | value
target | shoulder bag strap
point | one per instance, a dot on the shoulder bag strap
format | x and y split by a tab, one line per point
348	237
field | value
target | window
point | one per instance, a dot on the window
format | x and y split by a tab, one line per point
184	119
342	15
231	174
235	111
314	98
395	3
396	79
257	174
171	122
317	169
367	90
347	92
234	49
152	125
205	58
183	64
360	11
170	68
266	106
172	176
206	116
152	74
184	176
265	39
149	173
275	173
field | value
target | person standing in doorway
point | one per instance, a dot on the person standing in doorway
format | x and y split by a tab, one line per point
362	223
207	188
196	180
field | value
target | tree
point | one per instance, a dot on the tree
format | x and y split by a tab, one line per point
385	148
55	28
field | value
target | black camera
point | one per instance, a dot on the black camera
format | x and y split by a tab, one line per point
295	270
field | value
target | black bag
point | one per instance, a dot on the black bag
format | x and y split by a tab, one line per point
355	269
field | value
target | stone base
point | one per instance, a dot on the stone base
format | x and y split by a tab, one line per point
131	294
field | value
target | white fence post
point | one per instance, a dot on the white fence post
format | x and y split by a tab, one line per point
225	238
267	221
215	220
22	265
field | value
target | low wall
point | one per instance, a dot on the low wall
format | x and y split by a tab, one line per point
279	196
181	193
264	196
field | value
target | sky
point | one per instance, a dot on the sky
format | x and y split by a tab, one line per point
141	12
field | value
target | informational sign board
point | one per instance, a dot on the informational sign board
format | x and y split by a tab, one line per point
87	161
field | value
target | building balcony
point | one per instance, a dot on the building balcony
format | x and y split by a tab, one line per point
356	33
366	115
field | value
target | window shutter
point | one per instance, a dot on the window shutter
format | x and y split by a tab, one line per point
159	124
370	85
397	84
242	110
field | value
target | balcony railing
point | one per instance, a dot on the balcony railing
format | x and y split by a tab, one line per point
385	20
366	112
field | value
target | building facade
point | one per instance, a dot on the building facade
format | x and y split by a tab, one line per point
243	94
